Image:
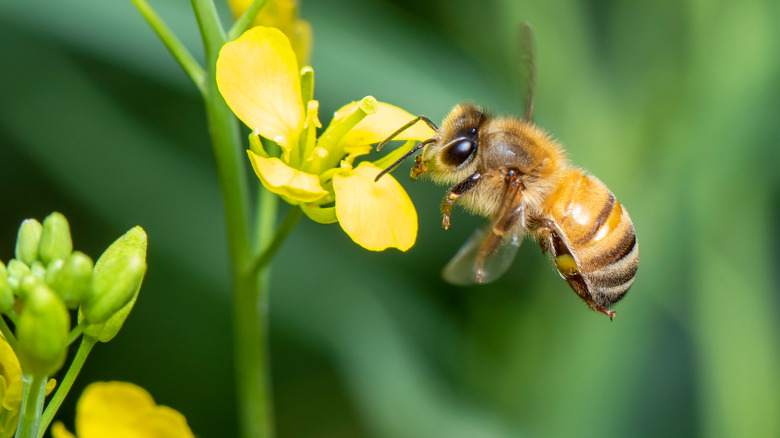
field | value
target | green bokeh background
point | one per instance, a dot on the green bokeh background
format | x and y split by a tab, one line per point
674	105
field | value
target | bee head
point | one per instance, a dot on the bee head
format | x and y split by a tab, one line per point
453	154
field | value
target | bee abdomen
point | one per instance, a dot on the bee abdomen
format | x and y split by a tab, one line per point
610	257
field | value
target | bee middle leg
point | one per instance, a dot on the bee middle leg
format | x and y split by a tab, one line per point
511	211
453	194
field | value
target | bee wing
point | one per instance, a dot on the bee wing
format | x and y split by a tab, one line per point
461	270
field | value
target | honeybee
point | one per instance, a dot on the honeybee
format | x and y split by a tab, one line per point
513	172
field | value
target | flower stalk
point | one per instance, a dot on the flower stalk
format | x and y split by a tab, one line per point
174	45
32	405
85	347
249	324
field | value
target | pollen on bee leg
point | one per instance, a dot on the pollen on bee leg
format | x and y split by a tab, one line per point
566	265
418	168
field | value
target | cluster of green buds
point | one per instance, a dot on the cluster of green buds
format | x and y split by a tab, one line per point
48	279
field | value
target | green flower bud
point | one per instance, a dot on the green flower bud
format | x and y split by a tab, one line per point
117	276
72	279
38	270
6	294
26	284
27	241
16	271
42	332
56	242
52	271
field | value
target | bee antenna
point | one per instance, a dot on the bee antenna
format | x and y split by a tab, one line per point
405	156
529	66
404	128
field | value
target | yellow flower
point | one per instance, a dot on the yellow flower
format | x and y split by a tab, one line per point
122	410
283	15
259	78
11	386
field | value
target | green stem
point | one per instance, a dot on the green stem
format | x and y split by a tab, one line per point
253	388
174	45
87	343
32	405
245	20
267	207
8	335
261	260
249	323
75	333
226	140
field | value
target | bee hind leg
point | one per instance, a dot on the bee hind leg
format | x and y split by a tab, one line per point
568	269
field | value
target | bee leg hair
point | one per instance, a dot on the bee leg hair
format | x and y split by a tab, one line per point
453	194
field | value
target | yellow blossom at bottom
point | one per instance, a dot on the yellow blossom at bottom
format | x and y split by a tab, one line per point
11	386
10	389
123	410
376	215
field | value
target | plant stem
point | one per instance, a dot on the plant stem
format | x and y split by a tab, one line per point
249	322
267	207
225	139
75	333
261	260
245	20
32	405
8	334
85	347
174	45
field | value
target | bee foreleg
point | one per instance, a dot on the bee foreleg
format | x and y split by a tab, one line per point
454	193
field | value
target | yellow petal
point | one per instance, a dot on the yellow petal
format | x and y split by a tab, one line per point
58	430
125	410
258	76
163	422
9	364
50	385
378	126
301	40
111	409
281	14
11	377
376	215
286	181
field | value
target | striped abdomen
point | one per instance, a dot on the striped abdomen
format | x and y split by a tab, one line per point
592	230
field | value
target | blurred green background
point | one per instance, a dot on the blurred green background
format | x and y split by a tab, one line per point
674	105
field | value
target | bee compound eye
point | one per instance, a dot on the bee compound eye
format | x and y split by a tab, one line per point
459	152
